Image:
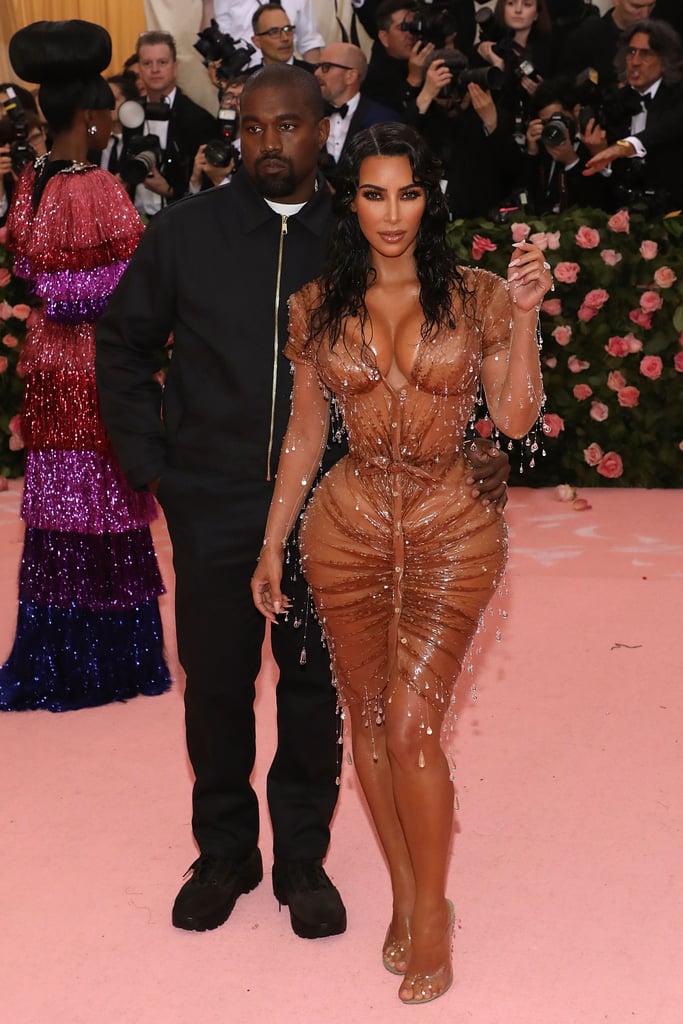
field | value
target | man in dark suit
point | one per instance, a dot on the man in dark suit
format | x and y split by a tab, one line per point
340	73
180	133
594	44
647	156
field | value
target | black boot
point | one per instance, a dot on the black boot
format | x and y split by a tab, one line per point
208	897
315	906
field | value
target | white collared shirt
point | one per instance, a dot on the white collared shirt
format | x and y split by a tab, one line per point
339	128
146	201
234	18
639	122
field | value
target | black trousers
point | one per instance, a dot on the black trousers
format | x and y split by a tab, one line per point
216	532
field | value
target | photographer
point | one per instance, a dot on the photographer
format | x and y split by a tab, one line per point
518	39
457	114
557	153
459	14
594	43
22	139
216	160
647	137
398	58
175	131
234	18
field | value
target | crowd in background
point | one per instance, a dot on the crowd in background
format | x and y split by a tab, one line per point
531	105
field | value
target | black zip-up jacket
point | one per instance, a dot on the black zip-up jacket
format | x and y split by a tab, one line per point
216	271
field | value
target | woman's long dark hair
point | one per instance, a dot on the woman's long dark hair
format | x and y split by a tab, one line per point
348	270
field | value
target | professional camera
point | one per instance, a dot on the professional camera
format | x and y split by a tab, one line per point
490	78
17	132
557	128
218	48
433	21
143	152
516	59
221	151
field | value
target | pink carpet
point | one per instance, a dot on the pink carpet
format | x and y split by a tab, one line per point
567	862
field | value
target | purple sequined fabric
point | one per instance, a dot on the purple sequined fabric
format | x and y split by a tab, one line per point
108	572
85	492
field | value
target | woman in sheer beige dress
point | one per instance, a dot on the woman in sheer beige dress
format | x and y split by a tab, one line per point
400	557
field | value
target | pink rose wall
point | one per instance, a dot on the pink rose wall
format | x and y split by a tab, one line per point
566	863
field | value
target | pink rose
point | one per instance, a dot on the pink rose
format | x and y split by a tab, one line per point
3	236
550	362
565	492
15	425
15	443
581	505
552	307
21	311
664	277
575	365
520	231
628	397
619	223
562	334
593	454
586	313
567	273
678	362
5	277
5	311
641	319
480	245
610	466
634	344
587	238
553	238
10	341
4	486
552	424
651	367
650	302
599	411
611	257
648	249
617	347
582	391
4	363
596	298
484	427
616	381
540	239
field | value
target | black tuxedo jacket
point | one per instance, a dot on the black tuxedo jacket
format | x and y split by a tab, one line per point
189	126
365	115
663	140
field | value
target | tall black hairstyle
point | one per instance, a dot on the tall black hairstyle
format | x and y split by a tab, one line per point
65	58
348	270
663	39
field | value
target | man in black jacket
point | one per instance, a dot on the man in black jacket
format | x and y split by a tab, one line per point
217	270
181	131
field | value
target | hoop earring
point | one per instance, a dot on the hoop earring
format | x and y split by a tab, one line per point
92	130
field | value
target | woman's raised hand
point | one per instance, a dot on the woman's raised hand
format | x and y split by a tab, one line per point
529	276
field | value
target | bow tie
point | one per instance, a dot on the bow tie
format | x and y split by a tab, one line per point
644	98
342	111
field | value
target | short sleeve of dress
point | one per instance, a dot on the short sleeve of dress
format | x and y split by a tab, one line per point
494	311
298	347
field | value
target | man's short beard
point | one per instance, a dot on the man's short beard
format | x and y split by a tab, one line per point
275	187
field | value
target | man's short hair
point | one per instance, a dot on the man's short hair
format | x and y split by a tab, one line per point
256	16
387	9
277	76
155	38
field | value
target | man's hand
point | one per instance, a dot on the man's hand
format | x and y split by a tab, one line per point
594	137
5	167
533	136
490	472
416	62
601	160
486	51
156	182
437	78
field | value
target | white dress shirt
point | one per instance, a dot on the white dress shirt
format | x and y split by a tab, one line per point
339	129
146	201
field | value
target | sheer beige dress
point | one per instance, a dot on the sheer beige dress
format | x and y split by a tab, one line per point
400	558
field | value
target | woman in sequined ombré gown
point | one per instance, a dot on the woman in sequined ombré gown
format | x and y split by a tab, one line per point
88	629
399	556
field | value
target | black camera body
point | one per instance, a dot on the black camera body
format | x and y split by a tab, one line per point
218	48
557	128
21	153
433	22
222	151
142	155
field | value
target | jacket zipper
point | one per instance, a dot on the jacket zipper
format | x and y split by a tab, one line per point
276	343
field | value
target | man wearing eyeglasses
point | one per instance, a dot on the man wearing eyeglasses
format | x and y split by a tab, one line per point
273	35
594	44
234	17
340	73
